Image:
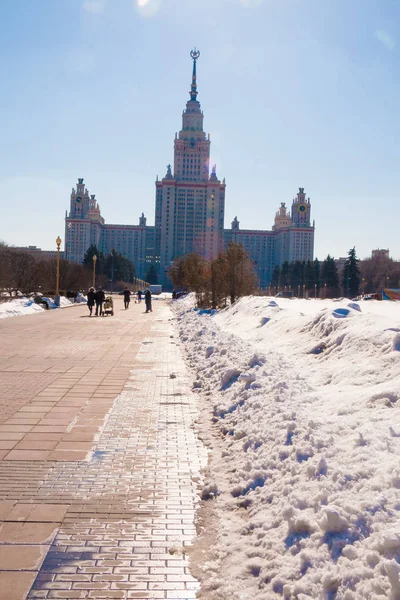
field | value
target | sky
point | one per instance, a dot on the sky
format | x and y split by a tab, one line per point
295	93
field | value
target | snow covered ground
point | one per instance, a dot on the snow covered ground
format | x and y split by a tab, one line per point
304	473
25	306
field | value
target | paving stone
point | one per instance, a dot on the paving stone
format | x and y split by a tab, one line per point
122	464
15	586
27	533
22	558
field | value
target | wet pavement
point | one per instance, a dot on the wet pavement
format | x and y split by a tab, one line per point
100	463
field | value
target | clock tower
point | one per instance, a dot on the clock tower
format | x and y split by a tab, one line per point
190	202
301	210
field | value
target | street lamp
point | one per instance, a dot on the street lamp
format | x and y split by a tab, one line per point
57	296
363	286
94	270
304	290
325	291
298	291
112	270
387	281
315	290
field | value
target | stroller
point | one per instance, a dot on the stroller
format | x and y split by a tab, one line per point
108	308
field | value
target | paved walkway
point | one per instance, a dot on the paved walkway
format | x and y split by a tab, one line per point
99	462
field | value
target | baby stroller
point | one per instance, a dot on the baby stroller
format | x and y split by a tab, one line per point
108	308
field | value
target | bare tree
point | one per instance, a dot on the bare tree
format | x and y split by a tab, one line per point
219	281
241	276
379	272
177	272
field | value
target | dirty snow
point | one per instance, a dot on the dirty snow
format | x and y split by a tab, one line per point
304	472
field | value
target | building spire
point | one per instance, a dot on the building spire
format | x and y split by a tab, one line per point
193	89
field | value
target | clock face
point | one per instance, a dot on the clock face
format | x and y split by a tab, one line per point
78	199
302	208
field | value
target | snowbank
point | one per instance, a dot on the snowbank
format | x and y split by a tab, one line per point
16	308
25	306
305	471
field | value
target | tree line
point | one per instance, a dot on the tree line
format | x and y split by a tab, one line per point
26	273
313	278
116	266
324	279
230	275
22	272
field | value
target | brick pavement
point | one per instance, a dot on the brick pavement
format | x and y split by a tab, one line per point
98	482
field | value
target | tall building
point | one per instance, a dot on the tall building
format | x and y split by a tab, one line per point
189	214
190	202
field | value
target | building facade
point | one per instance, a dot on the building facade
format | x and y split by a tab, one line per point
84	226
189	214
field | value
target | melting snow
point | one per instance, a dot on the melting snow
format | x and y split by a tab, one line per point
305	398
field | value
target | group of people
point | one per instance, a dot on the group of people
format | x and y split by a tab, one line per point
139	293
97	298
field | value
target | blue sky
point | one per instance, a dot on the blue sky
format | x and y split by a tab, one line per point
294	92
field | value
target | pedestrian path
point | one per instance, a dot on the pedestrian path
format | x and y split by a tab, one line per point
107	510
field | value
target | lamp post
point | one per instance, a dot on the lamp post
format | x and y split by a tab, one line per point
112	270
324	291
363	286
57	296
387	281
304	290
94	270
298	291
315	290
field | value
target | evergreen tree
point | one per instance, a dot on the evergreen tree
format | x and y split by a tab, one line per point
119	268
88	259
317	274
284	275
275	276
329	277
151	275
296	275
309	274
351	275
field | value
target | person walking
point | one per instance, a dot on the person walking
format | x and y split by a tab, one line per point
139	296
127	297
99	297
147	299
91	298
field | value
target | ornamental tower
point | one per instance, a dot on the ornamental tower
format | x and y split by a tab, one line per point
301	209
83	223
190	202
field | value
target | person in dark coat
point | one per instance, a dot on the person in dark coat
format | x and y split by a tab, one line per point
91	298
127	297
139	296
147	299
99	297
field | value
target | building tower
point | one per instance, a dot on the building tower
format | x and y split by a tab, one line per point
190	203
83	224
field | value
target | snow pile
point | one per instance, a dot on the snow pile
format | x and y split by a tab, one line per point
305	399
26	306
66	302
15	308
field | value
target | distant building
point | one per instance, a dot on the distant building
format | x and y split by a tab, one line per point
189	214
380	253
37	253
